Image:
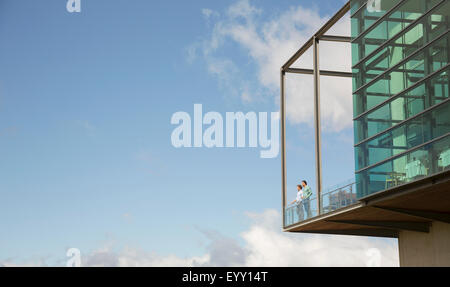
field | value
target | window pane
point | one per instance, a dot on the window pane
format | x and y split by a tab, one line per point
425	161
431	92
425	62
417	131
397	20
403	45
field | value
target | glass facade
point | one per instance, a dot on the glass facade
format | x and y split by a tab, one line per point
400	53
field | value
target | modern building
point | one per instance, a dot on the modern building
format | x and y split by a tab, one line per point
400	52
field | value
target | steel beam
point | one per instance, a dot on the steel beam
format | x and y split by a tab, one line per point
430	215
373	232
318	34
317	123
283	144
396	225
300	71
331	38
322	72
336	74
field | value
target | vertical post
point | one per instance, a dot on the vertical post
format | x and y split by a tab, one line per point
317	125
283	145
429	92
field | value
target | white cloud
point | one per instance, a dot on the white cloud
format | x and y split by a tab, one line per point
133	257
267	246
269	40
262	244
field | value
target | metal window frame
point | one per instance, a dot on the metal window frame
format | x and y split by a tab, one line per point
403	153
364	5
403	61
398	35
316	72
374	24
401	123
410	88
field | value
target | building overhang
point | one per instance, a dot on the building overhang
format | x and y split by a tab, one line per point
411	207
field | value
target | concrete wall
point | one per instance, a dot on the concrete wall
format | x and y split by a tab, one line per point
425	249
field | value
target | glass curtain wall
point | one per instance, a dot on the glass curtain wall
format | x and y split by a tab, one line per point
400	53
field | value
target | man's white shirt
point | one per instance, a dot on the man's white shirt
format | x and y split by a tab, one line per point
299	196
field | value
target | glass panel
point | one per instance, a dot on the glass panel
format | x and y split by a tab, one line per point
388	27
426	42
355	4
412	102
425	161
403	45
299	212
417	131
339	197
425	62
369	15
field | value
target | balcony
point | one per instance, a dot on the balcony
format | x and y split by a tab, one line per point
333	198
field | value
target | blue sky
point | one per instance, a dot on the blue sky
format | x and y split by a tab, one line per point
85	106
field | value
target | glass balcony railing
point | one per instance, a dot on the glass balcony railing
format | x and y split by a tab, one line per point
333	198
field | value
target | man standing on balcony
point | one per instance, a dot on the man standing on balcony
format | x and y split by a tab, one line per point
298	202
307	192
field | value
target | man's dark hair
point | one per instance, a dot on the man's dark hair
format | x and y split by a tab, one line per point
304	181
299	185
